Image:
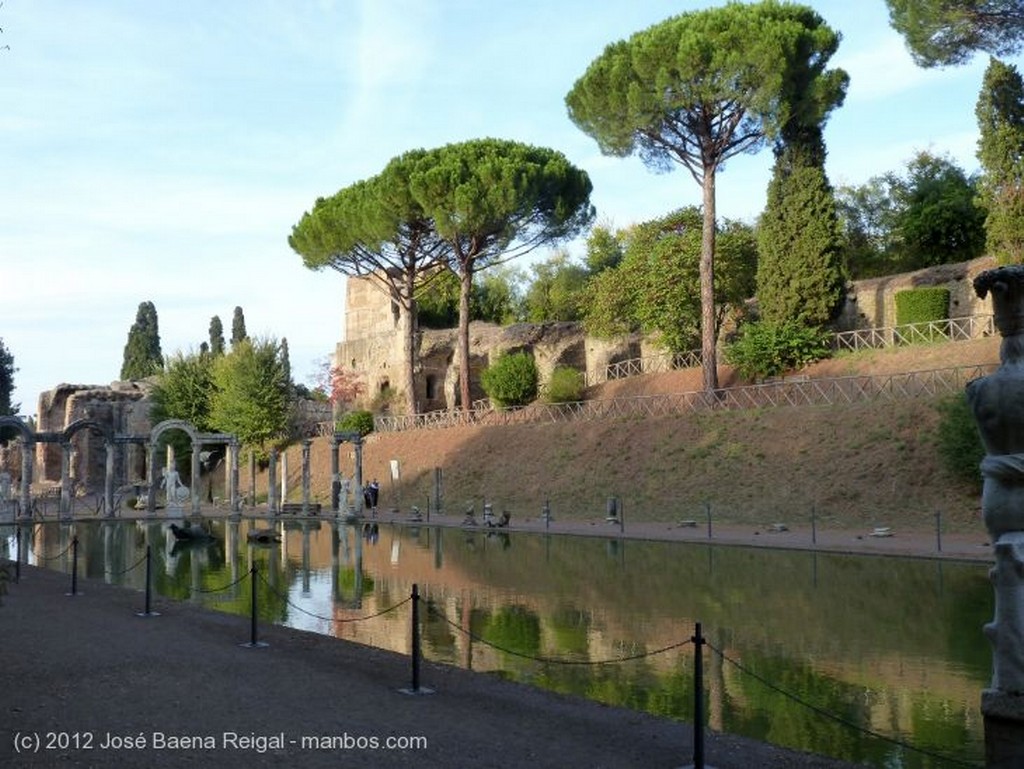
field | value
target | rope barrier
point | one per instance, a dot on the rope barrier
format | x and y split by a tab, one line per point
226	587
833	717
288	601
61	554
134	566
553	660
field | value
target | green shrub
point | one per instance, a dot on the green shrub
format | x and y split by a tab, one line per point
565	386
355	422
768	349
921	305
511	380
958	440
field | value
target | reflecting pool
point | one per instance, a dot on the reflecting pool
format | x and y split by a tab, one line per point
851	656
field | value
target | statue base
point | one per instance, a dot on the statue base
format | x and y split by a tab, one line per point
175	510
1004	729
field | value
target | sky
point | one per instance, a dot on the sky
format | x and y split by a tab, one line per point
163	150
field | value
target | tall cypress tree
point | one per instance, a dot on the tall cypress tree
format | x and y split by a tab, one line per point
799	273
216	336
237	327
142	356
1000	113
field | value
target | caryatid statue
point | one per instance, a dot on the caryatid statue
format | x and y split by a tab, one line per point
997	401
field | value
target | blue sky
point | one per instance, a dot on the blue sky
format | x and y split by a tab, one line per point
161	150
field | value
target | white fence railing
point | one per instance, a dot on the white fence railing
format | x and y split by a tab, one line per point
949	330
809	392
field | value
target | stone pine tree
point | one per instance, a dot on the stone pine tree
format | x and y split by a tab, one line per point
799	242
702	87
1000	113
216	336
492	200
238	327
947	32
142	356
375	230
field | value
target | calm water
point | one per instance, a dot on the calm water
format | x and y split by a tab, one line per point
887	645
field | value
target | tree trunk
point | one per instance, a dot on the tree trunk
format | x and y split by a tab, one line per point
709	358
408	314
465	289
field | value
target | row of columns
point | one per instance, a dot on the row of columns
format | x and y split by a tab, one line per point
198	441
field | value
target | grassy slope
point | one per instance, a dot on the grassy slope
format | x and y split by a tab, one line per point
857	465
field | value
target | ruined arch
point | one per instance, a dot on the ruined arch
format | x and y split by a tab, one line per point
67	464
28	445
197	441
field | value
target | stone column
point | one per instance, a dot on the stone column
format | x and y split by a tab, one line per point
997	401
284	476
272	483
233	449
357	475
335	478
151	473
28	449
305	475
196	486
108	480
65	479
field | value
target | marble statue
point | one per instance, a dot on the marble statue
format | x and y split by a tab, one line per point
997	402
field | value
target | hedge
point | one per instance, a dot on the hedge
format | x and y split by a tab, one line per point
921	305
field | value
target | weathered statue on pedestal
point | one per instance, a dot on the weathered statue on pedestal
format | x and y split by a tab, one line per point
997	401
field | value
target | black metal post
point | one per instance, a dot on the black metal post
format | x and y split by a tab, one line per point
17	554
149	589
253	641
148	611
698	699
938	530
415	638
707	509
814	527
74	565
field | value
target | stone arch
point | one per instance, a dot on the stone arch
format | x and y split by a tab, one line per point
18	423
28	443
197	440
174	424
154	437
67	467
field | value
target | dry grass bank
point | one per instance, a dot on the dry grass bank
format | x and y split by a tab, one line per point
856	465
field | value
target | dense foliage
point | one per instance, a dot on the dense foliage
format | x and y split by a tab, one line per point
958	440
656	287
926	216
216	336
565	386
7	372
799	268
1000	113
944	32
238	332
251	393
922	305
702	87
766	349
355	422
185	391
511	380
491	200
142	356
